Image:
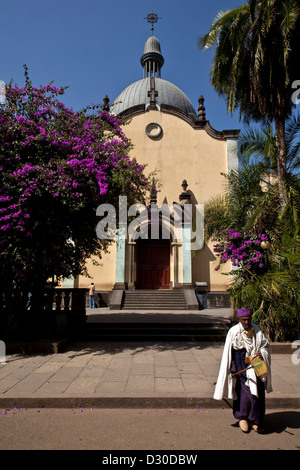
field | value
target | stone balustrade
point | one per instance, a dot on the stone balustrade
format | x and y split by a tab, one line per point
69	305
70	300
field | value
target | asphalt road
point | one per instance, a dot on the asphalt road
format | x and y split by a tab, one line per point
142	429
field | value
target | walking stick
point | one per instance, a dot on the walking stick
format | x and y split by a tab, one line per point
241	371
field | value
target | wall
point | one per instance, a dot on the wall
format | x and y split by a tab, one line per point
181	152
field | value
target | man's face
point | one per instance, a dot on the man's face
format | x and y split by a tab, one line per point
246	322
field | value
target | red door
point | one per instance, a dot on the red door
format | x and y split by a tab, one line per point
153	264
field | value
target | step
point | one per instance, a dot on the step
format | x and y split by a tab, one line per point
153	299
152	307
128	331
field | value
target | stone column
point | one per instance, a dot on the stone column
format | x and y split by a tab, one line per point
120	257
131	246
184	198
175	263
186	255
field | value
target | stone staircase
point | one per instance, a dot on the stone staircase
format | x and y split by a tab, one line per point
154	300
154	331
154	316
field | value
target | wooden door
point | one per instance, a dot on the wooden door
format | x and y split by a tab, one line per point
153	264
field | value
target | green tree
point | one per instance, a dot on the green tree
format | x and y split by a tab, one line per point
256	63
258	146
250	203
265	278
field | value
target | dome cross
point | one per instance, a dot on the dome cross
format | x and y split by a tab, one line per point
152	18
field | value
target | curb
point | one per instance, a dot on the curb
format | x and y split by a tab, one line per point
137	402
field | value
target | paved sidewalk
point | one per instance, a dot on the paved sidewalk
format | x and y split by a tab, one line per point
131	375
144	374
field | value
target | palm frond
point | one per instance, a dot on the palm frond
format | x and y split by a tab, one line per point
258	145
216	215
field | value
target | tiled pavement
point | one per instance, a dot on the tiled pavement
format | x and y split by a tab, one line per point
133	375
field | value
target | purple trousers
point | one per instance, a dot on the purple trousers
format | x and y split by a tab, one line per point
247	406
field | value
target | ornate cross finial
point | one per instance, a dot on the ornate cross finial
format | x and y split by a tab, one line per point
152	18
184	185
201	109
153	195
185	196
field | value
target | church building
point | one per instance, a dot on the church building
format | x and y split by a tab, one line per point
176	141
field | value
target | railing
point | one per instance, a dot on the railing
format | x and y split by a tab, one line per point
70	308
61	312
71	300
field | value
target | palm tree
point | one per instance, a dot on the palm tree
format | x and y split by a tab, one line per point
249	204
256	63
258	146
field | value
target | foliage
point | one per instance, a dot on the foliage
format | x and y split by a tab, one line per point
257	145
265	280
274	296
255	64
254	68
249	204
255	60
245	252
57	165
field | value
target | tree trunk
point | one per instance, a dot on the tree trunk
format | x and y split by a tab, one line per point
281	155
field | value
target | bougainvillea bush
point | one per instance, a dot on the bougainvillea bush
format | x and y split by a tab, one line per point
245	252
57	165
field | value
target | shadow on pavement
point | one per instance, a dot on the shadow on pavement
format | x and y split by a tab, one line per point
282	421
135	348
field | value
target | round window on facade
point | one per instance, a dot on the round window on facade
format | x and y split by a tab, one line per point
153	130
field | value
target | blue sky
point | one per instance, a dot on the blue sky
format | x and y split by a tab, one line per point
95	46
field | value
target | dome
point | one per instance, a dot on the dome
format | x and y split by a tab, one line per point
137	94
152	45
165	92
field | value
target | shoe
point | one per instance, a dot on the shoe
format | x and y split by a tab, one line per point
257	429
244	425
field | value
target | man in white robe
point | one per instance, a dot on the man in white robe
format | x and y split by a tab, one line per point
245	388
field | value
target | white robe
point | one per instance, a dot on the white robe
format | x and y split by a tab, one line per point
225	386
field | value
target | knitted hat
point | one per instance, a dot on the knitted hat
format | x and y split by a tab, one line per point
244	312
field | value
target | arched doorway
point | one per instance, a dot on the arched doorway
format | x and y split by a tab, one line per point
153	264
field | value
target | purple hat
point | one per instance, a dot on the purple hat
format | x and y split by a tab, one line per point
244	312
